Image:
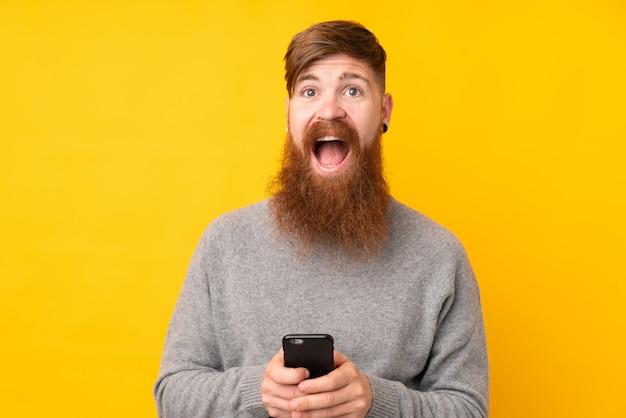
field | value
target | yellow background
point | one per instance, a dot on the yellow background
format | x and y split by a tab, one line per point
126	126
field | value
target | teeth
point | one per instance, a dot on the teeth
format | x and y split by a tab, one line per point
328	139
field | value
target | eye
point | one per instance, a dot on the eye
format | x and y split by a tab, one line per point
309	92
353	91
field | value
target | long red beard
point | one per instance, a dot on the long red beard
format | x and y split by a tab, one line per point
346	212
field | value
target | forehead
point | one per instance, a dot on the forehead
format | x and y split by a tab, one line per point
337	68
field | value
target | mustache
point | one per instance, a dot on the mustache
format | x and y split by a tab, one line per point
338	129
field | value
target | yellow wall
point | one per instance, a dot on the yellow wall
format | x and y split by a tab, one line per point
126	126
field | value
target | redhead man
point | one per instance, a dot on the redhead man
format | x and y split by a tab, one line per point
329	252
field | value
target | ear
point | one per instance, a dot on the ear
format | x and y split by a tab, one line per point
387	108
287	112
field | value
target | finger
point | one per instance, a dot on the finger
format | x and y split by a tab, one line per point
332	381
277	371
275	388
337	379
317	401
278	409
288	376
276	397
277	412
347	409
340	359
271	389
355	398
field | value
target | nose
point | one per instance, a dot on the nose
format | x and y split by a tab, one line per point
330	109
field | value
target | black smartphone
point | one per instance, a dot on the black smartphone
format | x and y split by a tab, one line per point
312	351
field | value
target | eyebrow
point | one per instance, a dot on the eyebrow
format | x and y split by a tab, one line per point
346	75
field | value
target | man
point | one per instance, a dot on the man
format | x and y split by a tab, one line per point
330	252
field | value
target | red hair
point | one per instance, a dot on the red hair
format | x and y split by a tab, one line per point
329	38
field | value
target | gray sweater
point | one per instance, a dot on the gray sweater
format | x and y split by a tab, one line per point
410	320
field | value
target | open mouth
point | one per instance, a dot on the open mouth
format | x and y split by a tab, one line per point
330	152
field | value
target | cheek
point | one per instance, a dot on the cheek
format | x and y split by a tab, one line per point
295	122
297	129
368	131
296	138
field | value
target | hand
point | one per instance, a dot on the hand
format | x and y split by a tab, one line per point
280	385
345	392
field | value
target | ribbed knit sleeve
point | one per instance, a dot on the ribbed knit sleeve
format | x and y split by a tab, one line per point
385	401
251	401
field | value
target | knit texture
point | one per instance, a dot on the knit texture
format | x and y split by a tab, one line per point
410	319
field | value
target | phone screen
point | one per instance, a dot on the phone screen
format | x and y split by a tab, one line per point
312	351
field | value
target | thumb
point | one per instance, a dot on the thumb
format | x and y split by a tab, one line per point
340	358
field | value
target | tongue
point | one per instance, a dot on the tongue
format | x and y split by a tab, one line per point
331	153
